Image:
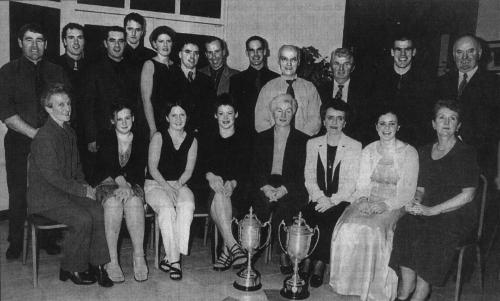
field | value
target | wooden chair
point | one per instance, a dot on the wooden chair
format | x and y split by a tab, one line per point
473	243
36	223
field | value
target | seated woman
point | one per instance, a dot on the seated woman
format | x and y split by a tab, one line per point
172	156
442	214
226	167
278	169
332	168
121	160
362	238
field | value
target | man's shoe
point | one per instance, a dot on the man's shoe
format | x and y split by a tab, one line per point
102	276
13	253
79	278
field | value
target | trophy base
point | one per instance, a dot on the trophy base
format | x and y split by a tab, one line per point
294	290
248	280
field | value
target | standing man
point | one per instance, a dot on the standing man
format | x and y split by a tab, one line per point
350	89
245	86
408	90
110	81
217	70
307	118
21	84
195	89
135	52
74	64
477	91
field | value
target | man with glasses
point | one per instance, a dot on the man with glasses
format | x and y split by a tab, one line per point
350	89
307	118
245	86
406	89
218	70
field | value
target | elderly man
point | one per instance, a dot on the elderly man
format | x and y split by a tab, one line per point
245	86
407	90
477	90
110	81
307	118
135	52
58	191
218	70
21	83
350	89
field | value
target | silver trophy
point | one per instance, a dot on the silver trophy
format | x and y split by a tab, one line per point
249	228
298	241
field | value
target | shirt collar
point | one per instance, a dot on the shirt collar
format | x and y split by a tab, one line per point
470	74
186	71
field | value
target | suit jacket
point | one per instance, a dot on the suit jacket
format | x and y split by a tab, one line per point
348	153
244	91
54	173
105	86
293	164
357	96
224	79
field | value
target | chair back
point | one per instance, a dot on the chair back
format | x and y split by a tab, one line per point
482	207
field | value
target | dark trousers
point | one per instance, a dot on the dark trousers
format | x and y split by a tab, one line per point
326	223
85	241
17	148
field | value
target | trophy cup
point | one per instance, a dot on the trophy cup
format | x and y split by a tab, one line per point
298	241
249	227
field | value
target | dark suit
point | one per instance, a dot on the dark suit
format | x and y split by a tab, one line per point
245	88
480	102
107	83
57	190
227	73
357	96
292	177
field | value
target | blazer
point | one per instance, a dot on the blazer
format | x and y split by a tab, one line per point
293	163
108	163
54	173
224	79
348	152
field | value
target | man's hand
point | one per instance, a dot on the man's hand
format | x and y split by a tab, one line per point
90	192
92	147
323	203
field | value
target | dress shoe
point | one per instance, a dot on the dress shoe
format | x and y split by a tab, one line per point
13	253
316	281
79	278
102	276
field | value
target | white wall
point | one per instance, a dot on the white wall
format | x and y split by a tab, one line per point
488	20
319	23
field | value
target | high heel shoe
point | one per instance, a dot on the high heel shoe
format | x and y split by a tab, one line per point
78	278
102	276
115	272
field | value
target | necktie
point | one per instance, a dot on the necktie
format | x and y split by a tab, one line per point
289	90
39	86
190	76
462	85
258	82
339	92
75	66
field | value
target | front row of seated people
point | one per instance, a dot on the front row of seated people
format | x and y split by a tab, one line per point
378	214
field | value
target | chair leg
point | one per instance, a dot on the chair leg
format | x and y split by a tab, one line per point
205	234
152	234
480	264
157	242
216	242
34	252
459	274
25	241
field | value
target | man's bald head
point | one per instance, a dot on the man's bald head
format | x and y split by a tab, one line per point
467	52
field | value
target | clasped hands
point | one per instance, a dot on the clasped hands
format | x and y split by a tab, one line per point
416	208
219	186
274	194
368	208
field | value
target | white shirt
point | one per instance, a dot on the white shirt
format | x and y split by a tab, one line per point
470	74
345	89
186	71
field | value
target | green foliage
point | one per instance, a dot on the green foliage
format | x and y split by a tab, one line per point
313	66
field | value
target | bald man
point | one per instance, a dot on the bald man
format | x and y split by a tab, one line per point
477	91
307	119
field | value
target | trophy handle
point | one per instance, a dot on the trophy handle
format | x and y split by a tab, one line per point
281	225
268	239
234	221
316	229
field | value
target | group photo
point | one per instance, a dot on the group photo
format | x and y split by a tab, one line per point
232	150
